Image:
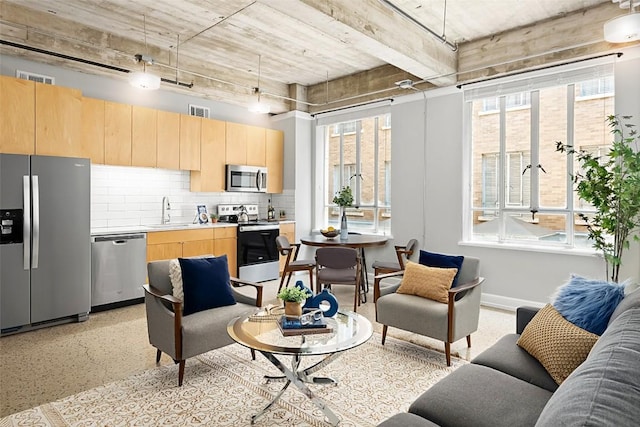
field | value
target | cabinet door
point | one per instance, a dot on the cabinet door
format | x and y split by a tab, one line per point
211	176
117	134
17	115
92	136
143	136
58	118
197	247
228	246
168	136
236	144
190	129
164	251
256	143
275	160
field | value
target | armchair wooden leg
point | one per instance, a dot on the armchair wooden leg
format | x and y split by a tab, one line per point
311	280
289	278
158	354
253	354
181	372
384	333
469	341
447	352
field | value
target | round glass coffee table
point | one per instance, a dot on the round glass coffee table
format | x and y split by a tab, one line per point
262	334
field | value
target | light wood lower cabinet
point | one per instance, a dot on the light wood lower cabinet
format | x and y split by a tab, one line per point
186	243
289	231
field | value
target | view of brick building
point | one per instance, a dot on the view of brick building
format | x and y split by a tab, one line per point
592	101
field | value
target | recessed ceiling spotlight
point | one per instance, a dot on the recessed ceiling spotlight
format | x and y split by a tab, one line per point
405	84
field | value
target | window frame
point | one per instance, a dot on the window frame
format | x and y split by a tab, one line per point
485	213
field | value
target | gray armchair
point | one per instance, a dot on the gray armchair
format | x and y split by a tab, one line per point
447	322
182	337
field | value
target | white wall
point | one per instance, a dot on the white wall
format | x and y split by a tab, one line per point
427	187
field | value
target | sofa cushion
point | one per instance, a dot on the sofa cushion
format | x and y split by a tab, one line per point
604	390
405	419
432	259
588	303
427	282
206	283
559	345
474	395
506	356
631	300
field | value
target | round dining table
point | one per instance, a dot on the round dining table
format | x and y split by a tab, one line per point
357	241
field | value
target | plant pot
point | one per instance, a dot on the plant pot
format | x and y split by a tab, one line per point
292	308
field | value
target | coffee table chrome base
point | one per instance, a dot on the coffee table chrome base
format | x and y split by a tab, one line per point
299	378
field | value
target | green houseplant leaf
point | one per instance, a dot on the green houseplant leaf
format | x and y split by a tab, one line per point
611	184
293	294
343	197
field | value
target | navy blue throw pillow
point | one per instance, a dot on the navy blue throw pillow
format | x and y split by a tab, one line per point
206	283
431	259
588	303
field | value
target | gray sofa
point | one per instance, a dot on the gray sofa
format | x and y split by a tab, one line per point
505	386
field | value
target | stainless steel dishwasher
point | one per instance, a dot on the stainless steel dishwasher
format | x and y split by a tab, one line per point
118	268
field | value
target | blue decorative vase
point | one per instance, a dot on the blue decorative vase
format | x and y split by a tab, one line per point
324	296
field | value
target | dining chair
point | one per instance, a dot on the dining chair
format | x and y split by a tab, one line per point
339	266
292	263
403	253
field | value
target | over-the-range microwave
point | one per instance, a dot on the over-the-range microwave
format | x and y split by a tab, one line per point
246	178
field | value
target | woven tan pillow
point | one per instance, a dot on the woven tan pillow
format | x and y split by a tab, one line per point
427	282
559	345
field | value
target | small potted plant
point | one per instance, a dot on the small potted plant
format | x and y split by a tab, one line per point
293	298
214	218
343	198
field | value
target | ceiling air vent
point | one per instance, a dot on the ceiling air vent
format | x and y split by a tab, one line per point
39	78
198	111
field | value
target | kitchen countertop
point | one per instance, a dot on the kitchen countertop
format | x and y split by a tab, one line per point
151	228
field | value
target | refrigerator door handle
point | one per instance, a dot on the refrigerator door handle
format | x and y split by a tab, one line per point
26	222
36	221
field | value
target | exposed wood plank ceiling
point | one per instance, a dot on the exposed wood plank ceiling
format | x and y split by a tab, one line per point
323	53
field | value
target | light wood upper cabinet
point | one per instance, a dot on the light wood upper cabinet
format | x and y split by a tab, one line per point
58	128
190	130
236	144
117	134
144	123
17	115
92	135
168	137
256	146
211	176
275	160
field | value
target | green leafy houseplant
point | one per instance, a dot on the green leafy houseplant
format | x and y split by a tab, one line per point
344	197
611	184
293	294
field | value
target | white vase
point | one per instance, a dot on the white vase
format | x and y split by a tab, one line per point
344	232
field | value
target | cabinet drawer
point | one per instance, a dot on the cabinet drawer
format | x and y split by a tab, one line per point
179	236
225	232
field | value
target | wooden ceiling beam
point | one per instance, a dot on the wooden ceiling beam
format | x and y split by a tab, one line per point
369	26
50	33
573	36
366	86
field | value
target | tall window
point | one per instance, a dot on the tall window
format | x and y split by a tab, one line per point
521	189
358	155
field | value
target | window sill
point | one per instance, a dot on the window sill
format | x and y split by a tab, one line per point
530	248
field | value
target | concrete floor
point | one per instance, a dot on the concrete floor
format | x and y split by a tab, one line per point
48	364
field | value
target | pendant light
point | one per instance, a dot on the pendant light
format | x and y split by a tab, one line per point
259	107
624	28
143	79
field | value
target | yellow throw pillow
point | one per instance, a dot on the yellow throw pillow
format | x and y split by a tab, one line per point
427	282
559	345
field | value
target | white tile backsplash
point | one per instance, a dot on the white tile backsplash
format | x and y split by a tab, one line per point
130	196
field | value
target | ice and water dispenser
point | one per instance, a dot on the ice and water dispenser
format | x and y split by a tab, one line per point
11	226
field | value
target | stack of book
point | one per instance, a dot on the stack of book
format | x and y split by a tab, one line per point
292	326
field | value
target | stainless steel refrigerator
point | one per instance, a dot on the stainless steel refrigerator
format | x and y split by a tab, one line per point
45	242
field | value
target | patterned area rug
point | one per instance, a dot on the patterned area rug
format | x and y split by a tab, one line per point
225	388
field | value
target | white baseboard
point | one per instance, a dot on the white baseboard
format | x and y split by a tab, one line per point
506	303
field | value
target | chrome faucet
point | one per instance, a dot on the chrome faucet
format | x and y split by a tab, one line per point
166	207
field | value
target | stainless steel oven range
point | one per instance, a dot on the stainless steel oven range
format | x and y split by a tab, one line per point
257	255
